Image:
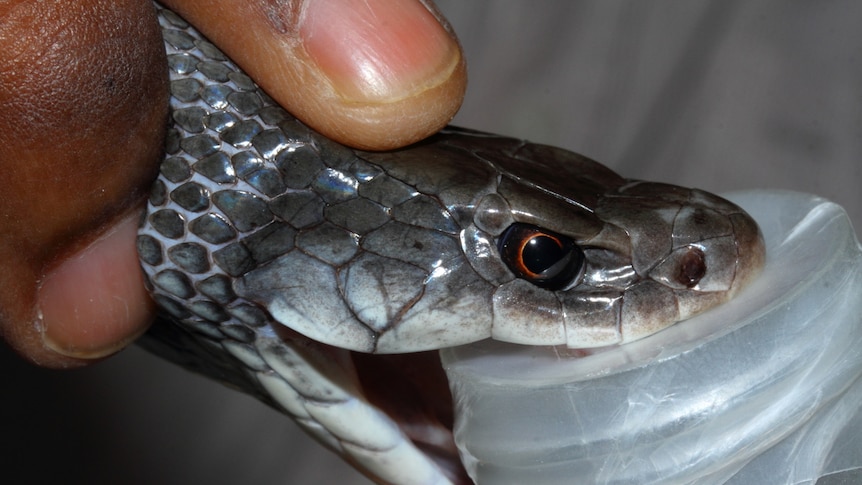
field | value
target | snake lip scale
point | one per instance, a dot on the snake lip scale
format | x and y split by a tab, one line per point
281	259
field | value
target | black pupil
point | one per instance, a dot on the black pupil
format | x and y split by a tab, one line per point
546	259
542	252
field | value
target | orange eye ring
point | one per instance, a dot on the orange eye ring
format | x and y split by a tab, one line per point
542	257
528	244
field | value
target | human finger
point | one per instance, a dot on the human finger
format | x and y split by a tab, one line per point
373	74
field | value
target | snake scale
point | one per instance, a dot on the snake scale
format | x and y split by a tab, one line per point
273	253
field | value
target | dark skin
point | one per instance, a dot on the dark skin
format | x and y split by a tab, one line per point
82	118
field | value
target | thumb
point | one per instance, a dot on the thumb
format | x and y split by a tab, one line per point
83	103
373	74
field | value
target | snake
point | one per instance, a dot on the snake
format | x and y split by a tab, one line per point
277	256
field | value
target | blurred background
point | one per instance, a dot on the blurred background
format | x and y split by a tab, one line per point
720	95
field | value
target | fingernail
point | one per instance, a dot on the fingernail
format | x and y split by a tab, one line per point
378	50
94	303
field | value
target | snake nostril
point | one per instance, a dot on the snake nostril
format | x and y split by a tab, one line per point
692	267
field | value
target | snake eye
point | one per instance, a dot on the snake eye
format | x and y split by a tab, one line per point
544	258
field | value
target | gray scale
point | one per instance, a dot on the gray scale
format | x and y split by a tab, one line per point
169	223
182	63
241	133
245	210
218	287
240	333
244	83
246	163
299	209
150	250
186	90
209	330
334	155
175	283
215	96
209	311
422	247
234	259
247	355
212	228
364	171
219	121
269	143
357	215
175	170
334	186
328	243
172	141
270	242
190	196
386	191
172	307
424	211
377	305
249	314
210	51
214	70
267	181
215	167
301	168
158	193
190	119
191	257
272	114
199	146
247	103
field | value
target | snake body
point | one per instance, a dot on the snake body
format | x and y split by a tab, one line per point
274	251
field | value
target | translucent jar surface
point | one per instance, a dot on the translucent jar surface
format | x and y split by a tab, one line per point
764	389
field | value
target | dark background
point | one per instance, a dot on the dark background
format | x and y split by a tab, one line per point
721	95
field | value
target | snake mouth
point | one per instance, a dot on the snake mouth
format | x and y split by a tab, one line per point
413	391
410	389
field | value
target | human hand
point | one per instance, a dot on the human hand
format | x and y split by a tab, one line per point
83	99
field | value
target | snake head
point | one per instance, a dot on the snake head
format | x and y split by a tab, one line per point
585	258
468	236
